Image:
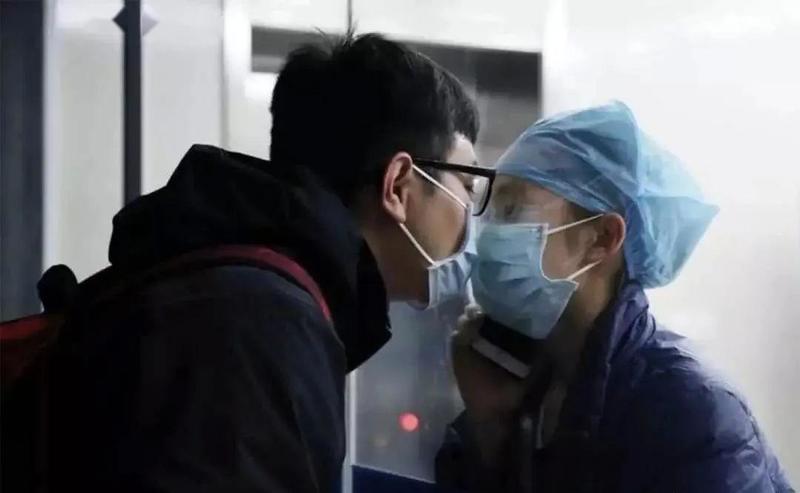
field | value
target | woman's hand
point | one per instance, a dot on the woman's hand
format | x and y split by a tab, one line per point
492	395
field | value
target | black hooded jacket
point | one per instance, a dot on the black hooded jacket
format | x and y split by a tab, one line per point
226	378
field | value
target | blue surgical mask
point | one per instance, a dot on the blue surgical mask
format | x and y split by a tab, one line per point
448	277
510	284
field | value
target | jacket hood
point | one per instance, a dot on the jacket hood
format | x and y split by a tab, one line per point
217	197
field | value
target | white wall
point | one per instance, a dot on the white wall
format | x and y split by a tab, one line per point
83	132
327	15
181	99
182	84
247	119
716	82
503	24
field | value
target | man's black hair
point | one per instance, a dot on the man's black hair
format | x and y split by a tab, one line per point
345	107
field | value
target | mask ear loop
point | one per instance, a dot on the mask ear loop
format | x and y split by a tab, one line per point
570	225
416	244
583	271
443	188
438	185
586	268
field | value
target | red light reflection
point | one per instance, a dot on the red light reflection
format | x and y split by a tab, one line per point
409	422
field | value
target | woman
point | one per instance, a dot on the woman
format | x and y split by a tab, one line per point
586	213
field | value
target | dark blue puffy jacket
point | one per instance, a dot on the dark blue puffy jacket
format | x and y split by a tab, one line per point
642	415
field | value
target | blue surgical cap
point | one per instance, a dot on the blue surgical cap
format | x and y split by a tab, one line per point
600	160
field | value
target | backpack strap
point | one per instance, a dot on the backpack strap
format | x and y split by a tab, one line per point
253	255
256	256
25	339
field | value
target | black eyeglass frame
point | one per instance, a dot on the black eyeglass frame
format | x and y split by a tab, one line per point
466	169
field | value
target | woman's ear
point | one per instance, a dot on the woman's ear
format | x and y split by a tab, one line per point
610	233
396	186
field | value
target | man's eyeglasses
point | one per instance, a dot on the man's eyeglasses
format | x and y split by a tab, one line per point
478	180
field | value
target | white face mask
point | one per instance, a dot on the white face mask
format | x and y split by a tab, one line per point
447	278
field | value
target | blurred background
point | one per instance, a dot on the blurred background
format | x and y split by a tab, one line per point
715	81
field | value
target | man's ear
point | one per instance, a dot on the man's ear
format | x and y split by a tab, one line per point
610	234
396	186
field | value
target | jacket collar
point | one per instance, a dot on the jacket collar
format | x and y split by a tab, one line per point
620	331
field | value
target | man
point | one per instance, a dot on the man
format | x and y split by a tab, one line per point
230	378
586	212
